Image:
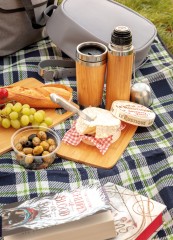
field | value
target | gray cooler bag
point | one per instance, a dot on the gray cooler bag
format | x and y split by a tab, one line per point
76	21
21	23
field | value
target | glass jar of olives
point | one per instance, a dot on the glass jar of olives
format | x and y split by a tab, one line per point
35	148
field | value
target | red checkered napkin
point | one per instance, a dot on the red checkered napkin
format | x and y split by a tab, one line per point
74	138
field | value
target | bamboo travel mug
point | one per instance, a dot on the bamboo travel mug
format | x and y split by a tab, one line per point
119	66
91	59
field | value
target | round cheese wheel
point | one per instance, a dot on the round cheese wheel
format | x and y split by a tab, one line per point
133	113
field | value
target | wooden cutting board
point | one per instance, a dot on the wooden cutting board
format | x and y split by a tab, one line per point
83	153
5	134
91	156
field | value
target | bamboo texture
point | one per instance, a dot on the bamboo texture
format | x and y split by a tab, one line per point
119	75
90	83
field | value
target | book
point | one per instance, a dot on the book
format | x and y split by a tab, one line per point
44	213
135	216
129	216
99	226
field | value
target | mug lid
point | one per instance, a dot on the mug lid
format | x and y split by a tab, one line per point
91	52
133	113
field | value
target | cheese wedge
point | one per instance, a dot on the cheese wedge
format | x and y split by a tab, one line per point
103	125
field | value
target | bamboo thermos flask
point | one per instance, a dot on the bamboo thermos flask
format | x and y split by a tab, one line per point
91	59
119	66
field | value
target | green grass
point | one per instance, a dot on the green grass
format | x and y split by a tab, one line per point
160	13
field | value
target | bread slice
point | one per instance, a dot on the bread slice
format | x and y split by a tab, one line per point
38	97
103	125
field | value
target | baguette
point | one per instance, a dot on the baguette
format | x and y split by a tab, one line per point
38	97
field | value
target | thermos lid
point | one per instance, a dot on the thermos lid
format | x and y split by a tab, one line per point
121	35
91	52
141	93
133	113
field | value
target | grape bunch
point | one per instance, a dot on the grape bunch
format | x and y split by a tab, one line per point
17	115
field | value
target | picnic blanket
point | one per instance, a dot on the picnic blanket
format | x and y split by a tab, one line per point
145	166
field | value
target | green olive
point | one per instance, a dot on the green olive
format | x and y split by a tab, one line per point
36	141
23	140
42	135
51	141
29	159
46	157
27	150
37	150
20	156
45	145
19	146
52	148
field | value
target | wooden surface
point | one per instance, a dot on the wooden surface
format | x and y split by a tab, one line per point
90	82
5	134
119	75
83	153
90	155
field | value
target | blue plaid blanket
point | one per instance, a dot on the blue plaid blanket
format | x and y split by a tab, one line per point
145	166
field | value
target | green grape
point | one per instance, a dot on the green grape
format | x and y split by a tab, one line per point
25	111
42	112
38	116
48	121
3	112
18	115
7	110
42	126
25	106
15	123
24	120
32	110
31	118
13	115
6	123
17	107
9	105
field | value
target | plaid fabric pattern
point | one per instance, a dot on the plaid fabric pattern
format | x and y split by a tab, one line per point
145	166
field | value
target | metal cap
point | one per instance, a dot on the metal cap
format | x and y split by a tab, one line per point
141	93
121	36
91	52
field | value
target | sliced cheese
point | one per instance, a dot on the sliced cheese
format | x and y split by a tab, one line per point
133	113
103	125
